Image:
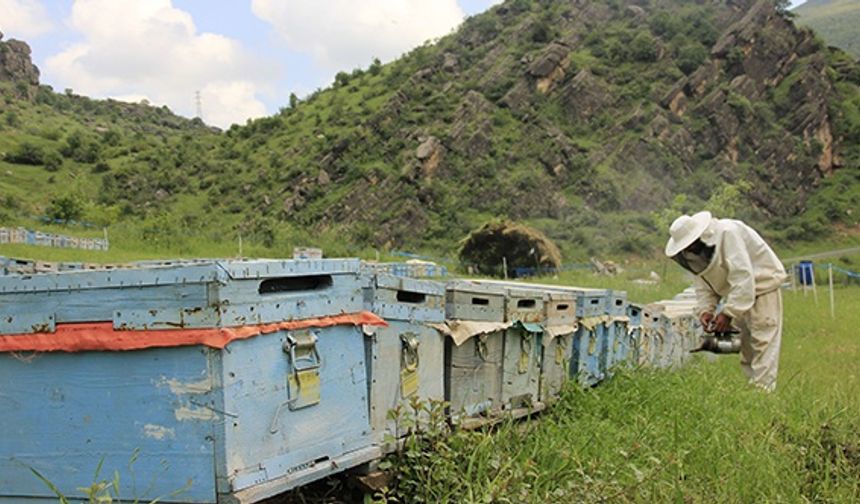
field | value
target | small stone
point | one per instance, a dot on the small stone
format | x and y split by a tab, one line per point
426	149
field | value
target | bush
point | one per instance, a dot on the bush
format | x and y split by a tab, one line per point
691	56
666	25
53	160
27	153
644	47
66	208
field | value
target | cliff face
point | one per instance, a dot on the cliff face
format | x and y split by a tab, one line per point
15	63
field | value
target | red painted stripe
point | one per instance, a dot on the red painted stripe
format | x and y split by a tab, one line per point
101	336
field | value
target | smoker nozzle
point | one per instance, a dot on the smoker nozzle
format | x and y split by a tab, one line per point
720	343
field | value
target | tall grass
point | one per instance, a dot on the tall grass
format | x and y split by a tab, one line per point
700	434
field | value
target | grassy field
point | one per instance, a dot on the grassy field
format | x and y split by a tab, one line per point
700	434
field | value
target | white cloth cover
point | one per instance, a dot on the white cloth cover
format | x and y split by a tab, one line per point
460	331
746	275
743	267
761	337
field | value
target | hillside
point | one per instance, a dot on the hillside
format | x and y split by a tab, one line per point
576	117
837	22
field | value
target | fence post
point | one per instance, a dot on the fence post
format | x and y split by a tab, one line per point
792	273
832	300
814	290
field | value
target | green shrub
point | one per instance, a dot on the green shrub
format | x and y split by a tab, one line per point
27	153
66	208
691	56
644	47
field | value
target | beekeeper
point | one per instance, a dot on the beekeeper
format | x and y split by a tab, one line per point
733	264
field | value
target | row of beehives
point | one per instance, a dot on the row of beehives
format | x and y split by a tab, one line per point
233	381
29	237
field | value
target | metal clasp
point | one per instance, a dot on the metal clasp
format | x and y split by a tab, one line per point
304	380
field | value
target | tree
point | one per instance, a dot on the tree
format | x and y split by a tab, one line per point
729	200
341	78
294	101
691	56
53	160
644	47
65	208
375	67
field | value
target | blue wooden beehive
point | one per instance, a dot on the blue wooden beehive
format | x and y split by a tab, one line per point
406	358
619	344
589	353
588	358
524	309
474	351
282	404
654	336
523	346
639	352
557	342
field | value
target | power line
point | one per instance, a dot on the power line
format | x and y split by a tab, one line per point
199	102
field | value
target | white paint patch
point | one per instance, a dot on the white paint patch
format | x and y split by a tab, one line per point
184	413
158	432
181	388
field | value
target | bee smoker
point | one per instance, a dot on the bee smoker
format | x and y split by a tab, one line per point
720	343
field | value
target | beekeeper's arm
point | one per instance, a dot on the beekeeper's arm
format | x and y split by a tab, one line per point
741	279
706	298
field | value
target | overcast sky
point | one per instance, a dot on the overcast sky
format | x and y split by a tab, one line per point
244	56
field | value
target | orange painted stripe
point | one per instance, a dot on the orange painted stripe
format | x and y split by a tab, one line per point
101	336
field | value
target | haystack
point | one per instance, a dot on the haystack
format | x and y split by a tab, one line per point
524	249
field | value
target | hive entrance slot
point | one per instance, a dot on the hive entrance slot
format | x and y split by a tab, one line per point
480	301
562	307
526	303
295	284
411	297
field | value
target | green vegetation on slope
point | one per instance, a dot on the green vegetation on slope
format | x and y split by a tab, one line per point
593	122
835	20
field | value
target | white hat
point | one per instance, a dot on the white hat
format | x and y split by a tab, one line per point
685	230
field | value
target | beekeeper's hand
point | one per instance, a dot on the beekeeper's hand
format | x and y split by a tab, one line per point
722	323
706	319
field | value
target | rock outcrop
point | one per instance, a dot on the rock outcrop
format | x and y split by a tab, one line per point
16	64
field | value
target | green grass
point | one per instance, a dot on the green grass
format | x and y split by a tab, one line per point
696	435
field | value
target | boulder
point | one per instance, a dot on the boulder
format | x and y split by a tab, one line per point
585	95
428	148
549	60
450	62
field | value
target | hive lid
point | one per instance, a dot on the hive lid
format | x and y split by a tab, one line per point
460	331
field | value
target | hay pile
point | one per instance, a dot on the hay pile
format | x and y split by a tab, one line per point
521	246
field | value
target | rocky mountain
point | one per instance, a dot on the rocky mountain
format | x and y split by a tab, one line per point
836	21
584	119
15	63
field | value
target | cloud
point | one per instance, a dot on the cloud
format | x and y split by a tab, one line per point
150	48
23	18
343	34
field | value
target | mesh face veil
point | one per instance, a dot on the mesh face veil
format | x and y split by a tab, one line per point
696	257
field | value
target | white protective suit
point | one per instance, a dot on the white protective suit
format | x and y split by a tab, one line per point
746	275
